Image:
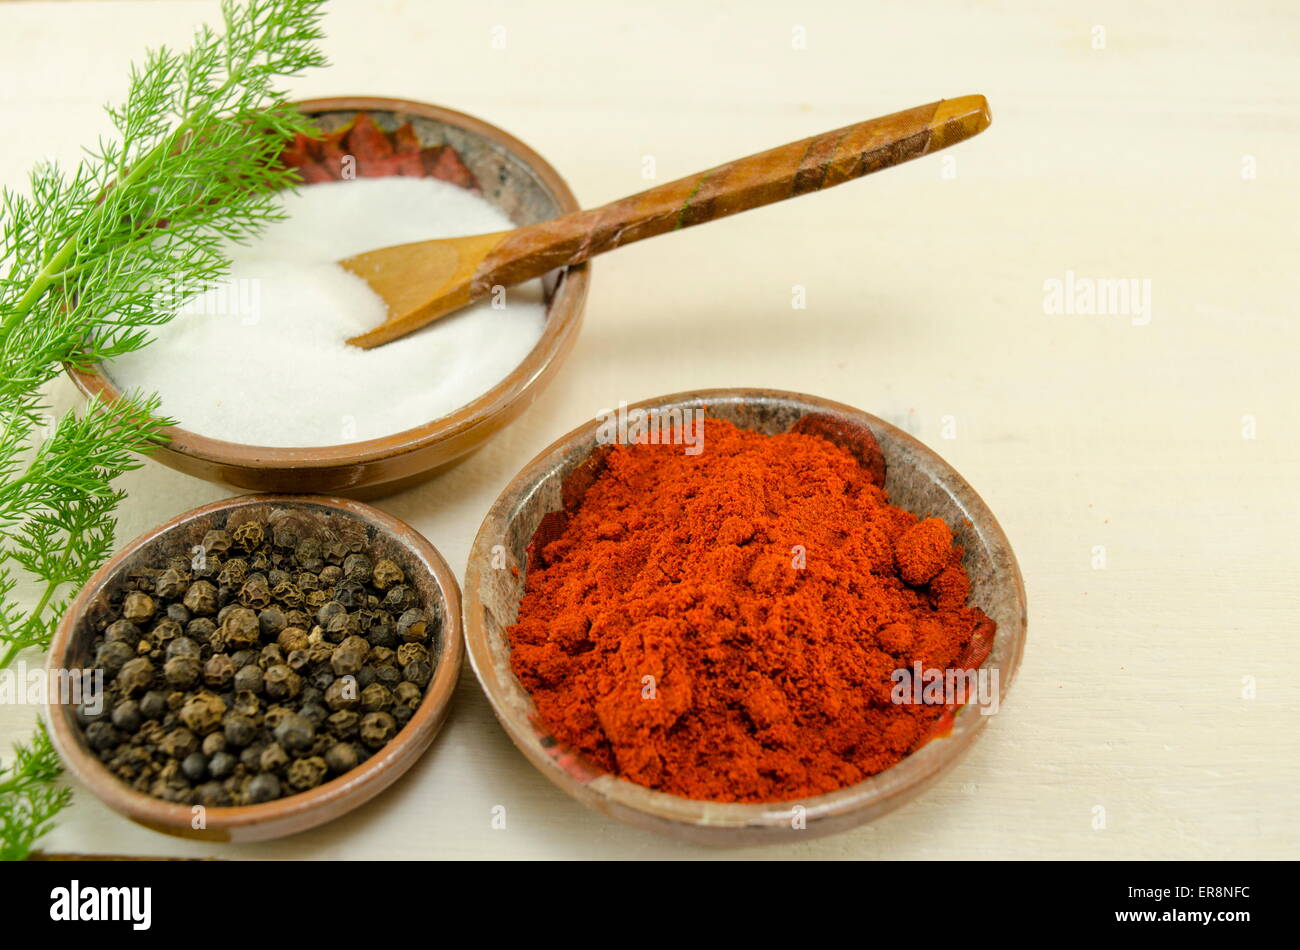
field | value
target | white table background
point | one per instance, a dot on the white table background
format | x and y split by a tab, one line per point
925	290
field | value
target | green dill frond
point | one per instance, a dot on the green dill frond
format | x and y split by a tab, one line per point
29	798
92	258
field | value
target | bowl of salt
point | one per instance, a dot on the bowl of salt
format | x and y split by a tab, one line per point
257	371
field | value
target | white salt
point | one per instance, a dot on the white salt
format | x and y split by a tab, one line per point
262	359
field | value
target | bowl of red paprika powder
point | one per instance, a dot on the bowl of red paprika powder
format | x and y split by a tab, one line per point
737	616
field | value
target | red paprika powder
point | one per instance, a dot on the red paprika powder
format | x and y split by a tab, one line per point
725	625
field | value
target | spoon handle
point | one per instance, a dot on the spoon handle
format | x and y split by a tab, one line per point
783	172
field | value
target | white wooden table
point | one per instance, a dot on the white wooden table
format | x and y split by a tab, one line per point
1145	469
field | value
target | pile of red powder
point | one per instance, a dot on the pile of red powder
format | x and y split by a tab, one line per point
724	625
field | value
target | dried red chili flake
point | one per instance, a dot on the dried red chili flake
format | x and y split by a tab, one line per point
374	153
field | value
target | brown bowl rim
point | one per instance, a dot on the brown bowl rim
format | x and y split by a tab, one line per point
293	811
711	822
560	322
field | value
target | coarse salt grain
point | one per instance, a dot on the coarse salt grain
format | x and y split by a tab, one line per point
262	358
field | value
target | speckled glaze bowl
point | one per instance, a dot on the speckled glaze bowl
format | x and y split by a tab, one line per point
916	479
326	518
527	189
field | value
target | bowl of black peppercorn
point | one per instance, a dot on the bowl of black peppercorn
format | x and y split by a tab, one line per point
256	667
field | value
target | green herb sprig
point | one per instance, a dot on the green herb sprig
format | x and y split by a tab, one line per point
89	261
29	799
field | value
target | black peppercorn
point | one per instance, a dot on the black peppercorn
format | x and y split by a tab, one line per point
218	671
201	598
249	535
272	621
182	672
164	632
239	729
314	713
376	698
113	655
248	678
255	592
280	682
350	594
292	638
413	625
213	743
222	765
101	735
123	631
153	705
357	567
308	549
203	713
233	572
407	694
418	672
171	584
377	728
408	652
382	634
127	717
341	757
349	657
137	607
296	734
270	656
246	703
273	758
307	773
386	574
182	646
178	743
285	535
276	715
195	767
398	598
287	593
211	794
343	723
241	628
200	629
135	676
263	788
343	693
216	541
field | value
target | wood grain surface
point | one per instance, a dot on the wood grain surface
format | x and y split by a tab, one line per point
1142	458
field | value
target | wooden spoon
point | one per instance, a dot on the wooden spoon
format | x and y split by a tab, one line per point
425	280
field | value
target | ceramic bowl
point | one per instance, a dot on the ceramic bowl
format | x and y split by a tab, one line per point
524	186
917	479
385	536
